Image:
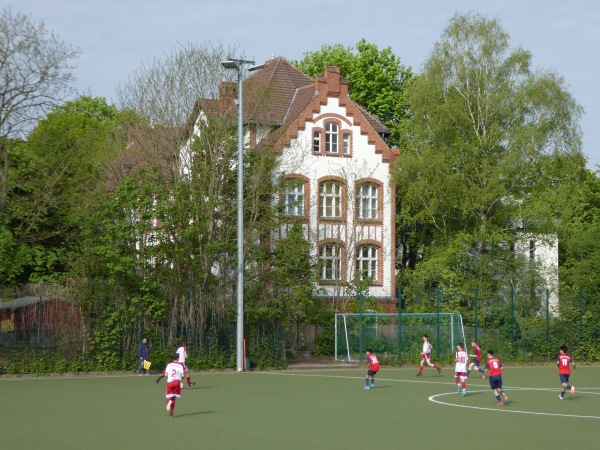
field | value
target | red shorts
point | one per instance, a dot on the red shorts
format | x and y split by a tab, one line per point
173	389
460	374
426	356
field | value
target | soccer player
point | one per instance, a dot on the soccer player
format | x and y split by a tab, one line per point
426	356
182	352
460	368
173	372
372	369
494	366
564	362
476	359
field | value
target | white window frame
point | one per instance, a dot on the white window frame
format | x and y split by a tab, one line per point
346	142
331	199
368	201
330	258
316	142
332	138
292	198
367	262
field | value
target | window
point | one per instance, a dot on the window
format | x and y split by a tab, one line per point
367	262
331	199
317	141
292	198
331	137
346	144
368	201
330	262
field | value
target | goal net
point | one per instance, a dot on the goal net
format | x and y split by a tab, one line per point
392	336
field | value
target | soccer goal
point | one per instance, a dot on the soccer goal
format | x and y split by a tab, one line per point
394	335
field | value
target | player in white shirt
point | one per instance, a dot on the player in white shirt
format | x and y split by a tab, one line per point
460	368
174	372
182	352
426	356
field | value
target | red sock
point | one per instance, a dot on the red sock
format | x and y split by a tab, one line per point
464	385
457	381
420	369
435	366
188	380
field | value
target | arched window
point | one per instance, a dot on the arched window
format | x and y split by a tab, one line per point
367	262
331	199
330	262
331	137
292	198
368	201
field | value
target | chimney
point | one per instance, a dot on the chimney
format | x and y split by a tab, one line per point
332	74
228	92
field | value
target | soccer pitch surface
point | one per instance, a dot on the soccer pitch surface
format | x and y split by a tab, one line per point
304	409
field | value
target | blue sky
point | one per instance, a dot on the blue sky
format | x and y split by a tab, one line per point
115	36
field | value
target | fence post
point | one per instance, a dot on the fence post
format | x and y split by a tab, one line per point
189	314
476	313
400	322
437	301
41	326
512	317
547	315
580	314
360	325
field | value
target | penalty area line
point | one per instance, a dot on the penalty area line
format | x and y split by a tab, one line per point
434	399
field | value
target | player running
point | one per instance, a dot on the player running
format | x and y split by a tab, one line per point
476	359
564	362
494	366
460	368
372	369
182	352
426	356
173	372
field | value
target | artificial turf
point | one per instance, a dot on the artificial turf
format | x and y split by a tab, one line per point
308	409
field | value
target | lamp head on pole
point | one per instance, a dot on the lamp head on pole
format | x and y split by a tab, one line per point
235	63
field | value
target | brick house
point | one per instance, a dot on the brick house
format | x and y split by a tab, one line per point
333	153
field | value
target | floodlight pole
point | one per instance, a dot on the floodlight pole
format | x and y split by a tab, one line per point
238	64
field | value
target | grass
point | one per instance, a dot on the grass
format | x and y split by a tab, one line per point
326	409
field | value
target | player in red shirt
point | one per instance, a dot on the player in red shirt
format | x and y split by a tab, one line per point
494	367
476	359
372	369
564	362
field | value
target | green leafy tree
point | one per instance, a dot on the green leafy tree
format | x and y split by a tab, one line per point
580	249
53	178
377	80
492	155
35	77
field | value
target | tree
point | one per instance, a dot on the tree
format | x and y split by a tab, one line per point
580	249
34	78
377	80
53	178
493	152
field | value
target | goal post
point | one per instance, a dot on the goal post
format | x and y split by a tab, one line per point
392	336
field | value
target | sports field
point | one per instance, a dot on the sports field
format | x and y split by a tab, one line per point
325	409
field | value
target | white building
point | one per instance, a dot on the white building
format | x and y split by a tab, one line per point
332	152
